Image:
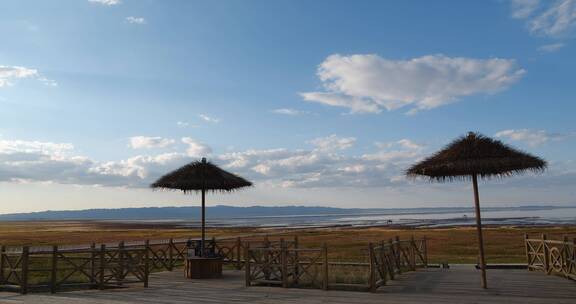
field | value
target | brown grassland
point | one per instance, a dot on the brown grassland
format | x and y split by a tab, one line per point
504	244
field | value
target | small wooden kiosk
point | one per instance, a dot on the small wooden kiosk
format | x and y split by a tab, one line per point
202	176
205	264
203	268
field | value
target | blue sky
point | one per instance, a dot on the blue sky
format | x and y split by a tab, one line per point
317	102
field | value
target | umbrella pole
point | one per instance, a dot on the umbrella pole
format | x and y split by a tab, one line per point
479	230
203	223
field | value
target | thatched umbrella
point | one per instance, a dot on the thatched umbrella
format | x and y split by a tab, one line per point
201	176
474	156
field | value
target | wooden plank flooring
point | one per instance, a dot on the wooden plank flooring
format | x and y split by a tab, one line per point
460	284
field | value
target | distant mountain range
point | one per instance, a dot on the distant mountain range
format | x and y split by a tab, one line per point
221	211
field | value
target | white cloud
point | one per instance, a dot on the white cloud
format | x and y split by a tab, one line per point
356	105
333	143
137	170
547	18
48	82
47	162
523	8
196	148
135	20
146	142
354	168
209	119
530	137
106	2
408	144
324	166
370	83
558	19
184	124
22	146
285	111
248	158
549	48
379	173
8	74
40	161
398	151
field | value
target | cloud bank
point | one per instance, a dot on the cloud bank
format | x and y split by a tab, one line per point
322	166
327	162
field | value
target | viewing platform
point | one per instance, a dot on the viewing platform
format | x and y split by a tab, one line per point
459	284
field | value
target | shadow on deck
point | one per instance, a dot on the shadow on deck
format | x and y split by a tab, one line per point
460	284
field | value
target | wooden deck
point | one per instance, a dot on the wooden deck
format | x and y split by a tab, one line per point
460	284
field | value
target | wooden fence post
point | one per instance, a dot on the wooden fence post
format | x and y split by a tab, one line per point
392	255
24	274
372	273
284	262
2	254
296	261
266	266
325	267
171	254
190	245
54	269
146	262
92	264
412	252
398	253
247	263
573	262
238	253
425	251
566	255
102	266
527	248
120	278
383	264
545	250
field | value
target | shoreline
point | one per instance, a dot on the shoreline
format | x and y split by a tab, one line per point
183	225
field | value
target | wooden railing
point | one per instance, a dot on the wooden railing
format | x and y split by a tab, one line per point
58	268
393	257
551	256
234	250
311	267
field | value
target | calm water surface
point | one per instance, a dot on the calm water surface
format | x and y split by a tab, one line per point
415	217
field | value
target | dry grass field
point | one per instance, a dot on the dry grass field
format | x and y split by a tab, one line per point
453	245
85	232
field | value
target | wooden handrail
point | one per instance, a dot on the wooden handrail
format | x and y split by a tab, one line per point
284	267
551	256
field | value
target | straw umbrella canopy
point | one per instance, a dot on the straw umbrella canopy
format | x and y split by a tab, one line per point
201	176
473	156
